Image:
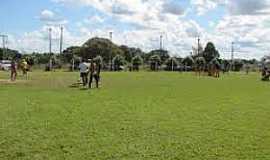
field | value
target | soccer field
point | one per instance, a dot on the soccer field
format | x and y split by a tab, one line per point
142	115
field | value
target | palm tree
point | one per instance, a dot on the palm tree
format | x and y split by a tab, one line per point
200	63
118	61
136	62
171	64
98	60
214	67
188	62
155	62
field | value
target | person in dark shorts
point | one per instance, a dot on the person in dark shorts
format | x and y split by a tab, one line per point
94	74
13	70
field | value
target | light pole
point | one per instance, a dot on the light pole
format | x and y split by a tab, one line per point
50	40
50	48
61	39
232	56
111	36
198	45
4	42
161	42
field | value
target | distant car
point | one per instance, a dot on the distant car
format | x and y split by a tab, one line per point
5	65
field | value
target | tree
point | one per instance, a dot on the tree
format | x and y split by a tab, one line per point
237	65
118	61
171	64
200	61
225	65
163	54
100	46
136	62
68	54
210	52
215	61
129	53
8	54
98	60
200	64
155	62
188	61
1	54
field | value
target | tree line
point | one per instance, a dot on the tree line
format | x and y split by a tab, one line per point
114	57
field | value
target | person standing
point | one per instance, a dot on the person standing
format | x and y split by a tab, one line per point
13	70
94	74
247	67
84	72
24	66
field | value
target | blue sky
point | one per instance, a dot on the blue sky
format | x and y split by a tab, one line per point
139	23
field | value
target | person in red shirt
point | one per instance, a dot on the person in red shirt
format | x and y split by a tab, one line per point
13	70
94	74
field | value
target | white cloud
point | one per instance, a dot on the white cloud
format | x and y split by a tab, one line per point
247	31
51	18
38	40
94	19
203	6
173	8
245	25
153	17
248	7
47	15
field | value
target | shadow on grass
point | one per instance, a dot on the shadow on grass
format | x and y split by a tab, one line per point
75	85
84	89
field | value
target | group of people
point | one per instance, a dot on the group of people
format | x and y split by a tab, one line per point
23	65
91	68
265	74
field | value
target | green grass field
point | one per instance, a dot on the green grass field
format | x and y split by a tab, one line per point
135	116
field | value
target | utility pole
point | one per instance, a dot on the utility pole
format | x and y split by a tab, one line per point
198	45
232	56
4	42
161	42
111	38
61	40
50	40
50	48
172	64
232	52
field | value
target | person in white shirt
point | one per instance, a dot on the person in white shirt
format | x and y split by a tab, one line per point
84	72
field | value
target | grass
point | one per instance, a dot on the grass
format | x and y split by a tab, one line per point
136	116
